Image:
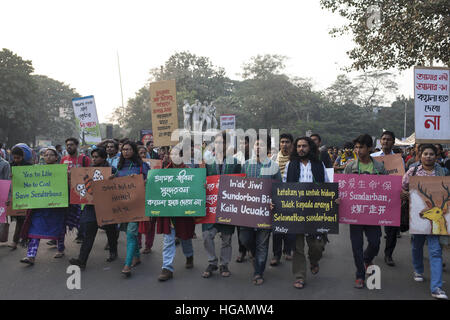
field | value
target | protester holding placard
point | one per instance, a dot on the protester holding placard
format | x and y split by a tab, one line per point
45	223
244	144
89	220
130	164
282	158
74	160
18	160
146	228
305	166
426	168
221	165
365	164
182	228
387	141
256	239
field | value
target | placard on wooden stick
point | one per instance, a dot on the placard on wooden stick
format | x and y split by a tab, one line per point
163	103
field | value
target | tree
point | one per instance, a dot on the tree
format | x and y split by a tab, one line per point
395	33
196	79
264	66
17	90
136	115
342	91
268	98
53	100
368	90
196	76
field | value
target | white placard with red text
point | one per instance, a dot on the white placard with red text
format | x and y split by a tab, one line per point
432	108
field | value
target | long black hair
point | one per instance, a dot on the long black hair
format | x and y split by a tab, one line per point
313	151
135	158
102	154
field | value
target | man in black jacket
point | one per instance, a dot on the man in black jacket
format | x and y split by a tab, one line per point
304	166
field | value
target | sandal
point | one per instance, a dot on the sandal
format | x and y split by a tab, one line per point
28	260
315	269
146	251
299	284
240	259
274	262
126	274
136	263
59	255
258	280
209	270
224	272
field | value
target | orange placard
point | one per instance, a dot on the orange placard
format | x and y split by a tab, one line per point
120	200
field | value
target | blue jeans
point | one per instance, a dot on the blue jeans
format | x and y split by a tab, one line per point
169	249
435	257
132	243
257	242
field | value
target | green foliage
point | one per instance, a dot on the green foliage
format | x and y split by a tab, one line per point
33	105
17	90
400	34
56	117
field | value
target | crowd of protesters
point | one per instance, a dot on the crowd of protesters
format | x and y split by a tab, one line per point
303	159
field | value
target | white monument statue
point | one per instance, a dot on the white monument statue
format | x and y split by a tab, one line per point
197	114
187	111
212	115
205	116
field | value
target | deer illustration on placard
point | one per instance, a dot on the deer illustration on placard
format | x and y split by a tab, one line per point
434	213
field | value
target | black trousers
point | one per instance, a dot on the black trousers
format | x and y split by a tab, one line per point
289	244
91	229
19	224
391	240
361	256
242	248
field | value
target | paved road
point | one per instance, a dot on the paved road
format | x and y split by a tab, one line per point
102	280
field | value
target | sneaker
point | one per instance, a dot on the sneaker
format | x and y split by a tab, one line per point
439	294
418	277
165	275
359	284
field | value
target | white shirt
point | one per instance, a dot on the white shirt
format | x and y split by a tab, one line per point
379	153
306	174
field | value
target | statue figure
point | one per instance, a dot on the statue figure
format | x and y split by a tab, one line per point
187	111
212	114
205	116
196	115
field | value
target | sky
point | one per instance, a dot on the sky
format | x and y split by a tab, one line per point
78	42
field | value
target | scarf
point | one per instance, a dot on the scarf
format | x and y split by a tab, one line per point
281	161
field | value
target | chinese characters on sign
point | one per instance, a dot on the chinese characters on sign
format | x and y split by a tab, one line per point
369	199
